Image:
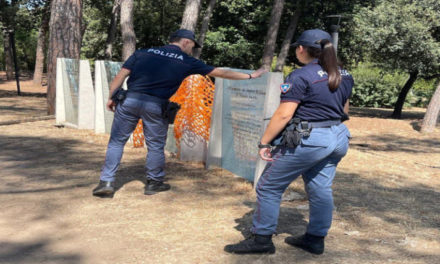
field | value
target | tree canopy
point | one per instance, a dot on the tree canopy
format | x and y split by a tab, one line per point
392	37
401	35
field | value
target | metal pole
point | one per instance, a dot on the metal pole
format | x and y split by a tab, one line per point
334	29
14	55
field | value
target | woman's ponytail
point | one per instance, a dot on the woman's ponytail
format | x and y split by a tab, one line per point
329	63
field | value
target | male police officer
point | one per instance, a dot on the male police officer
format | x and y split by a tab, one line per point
154	75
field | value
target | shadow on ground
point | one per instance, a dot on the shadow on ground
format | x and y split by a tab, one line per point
34	252
393	143
291	221
410	211
60	164
414	206
385	113
6	94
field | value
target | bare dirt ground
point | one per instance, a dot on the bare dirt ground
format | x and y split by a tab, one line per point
387	193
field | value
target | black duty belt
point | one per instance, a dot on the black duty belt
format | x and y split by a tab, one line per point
296	129
326	123
146	97
169	109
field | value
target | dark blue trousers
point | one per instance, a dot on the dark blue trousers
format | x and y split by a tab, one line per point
316	160
135	107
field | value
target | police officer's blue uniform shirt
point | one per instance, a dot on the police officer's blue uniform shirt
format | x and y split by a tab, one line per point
308	86
160	71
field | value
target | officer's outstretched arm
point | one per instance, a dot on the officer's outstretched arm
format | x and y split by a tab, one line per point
233	75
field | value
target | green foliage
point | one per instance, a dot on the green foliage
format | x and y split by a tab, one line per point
401	35
2	55
26	45
422	92
95	35
153	22
287	69
26	37
227	47
378	88
237	32
375	88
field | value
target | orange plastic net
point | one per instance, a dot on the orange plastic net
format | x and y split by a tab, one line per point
196	97
138	135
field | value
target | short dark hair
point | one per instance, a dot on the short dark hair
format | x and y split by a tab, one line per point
174	39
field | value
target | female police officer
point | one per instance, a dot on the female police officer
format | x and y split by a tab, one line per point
312	144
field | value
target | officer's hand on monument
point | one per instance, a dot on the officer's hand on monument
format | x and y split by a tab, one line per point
259	72
265	154
110	105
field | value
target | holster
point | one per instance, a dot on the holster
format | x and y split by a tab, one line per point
119	95
170	111
292	134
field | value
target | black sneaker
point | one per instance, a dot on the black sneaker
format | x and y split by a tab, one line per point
104	189
256	244
154	187
310	243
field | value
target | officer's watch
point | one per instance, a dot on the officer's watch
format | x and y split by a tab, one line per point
250	76
260	146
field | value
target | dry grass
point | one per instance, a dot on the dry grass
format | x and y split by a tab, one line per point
32	103
386	195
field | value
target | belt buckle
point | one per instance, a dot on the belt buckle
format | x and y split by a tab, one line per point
304	125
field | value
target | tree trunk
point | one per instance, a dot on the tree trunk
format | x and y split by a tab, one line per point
402	96
112	29
272	32
204	29
41	44
190	15
64	41
9	63
281	60
432	112
127	29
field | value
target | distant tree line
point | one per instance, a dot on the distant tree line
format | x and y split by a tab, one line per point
397	37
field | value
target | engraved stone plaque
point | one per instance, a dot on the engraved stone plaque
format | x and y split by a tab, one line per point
240	113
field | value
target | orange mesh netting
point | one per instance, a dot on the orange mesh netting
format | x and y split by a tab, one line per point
138	135
196	97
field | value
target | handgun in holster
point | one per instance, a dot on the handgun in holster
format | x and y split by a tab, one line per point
170	111
293	132
119	95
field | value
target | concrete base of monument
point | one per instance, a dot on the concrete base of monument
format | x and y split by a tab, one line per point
170	145
75	96
192	147
105	71
86	97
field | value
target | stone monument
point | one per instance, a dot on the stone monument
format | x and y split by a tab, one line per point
74	94
241	112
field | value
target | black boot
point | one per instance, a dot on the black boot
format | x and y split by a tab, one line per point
256	244
154	187
310	243
104	189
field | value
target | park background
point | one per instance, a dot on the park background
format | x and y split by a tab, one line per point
386	190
